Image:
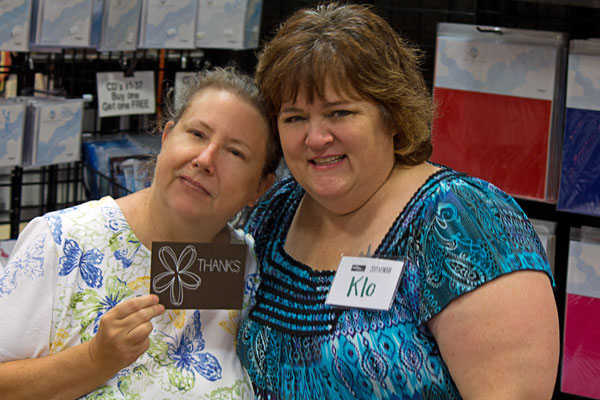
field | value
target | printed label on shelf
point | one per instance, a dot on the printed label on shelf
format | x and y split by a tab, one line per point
120	95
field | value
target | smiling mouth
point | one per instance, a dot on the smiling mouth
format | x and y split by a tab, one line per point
327	160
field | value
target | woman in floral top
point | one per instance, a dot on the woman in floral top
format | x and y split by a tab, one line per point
77	319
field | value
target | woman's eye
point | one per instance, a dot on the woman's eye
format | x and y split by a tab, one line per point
199	134
238	154
293	118
340	113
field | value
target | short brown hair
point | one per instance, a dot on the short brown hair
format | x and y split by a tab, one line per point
360	54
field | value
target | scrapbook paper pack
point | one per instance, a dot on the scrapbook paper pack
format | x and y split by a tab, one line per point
15	17
580	373
120	25
169	24
496	106
52	131
228	24
580	175
65	23
12	122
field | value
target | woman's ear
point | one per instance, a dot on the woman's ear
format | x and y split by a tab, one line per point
263	186
168	127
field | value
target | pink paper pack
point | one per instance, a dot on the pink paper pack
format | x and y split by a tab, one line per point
580	372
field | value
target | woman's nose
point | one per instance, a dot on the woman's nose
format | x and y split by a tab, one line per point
318	135
206	159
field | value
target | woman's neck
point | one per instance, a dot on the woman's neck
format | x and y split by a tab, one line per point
337	214
151	221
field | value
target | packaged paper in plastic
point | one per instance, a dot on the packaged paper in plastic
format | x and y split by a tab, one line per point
580	373
500	108
12	123
580	175
228	24
62	23
15	18
96	23
168	24
120	25
546	231
52	131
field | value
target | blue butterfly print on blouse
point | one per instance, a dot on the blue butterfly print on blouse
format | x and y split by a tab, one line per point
184	356
55	223
29	264
123	243
75	257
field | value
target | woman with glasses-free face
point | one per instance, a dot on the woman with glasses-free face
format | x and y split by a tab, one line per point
354	118
212	160
92	328
336	147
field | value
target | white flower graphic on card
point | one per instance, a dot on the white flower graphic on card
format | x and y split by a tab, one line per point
176	277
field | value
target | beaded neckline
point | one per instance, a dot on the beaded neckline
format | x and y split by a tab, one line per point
292	295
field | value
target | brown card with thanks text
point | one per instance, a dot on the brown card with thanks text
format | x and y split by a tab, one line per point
198	275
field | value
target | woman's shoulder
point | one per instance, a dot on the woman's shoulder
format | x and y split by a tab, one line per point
84	218
448	186
105	204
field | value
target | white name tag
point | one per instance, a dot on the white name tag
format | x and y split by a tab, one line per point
362	282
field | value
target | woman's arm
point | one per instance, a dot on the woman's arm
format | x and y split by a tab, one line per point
501	341
122	337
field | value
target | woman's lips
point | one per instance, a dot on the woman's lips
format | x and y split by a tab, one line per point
195	184
325	161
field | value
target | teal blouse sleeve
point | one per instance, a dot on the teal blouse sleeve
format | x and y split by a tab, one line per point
471	233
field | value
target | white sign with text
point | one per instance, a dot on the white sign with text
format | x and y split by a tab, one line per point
121	95
362	282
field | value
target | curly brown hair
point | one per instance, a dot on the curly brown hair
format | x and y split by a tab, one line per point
359	54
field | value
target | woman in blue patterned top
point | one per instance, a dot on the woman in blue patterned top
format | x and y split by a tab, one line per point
77	319
473	315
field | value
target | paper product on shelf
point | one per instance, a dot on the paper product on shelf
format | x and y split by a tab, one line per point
52	130
228	24
62	23
499	93
580	174
12	122
120	25
546	231
168	24
15	17
580	373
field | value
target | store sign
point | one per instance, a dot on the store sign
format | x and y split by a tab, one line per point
120	95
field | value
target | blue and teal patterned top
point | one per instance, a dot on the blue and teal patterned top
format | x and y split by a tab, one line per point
456	233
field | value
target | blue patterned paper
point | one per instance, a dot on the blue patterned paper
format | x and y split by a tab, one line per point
15	18
121	24
580	176
59	135
12	117
170	25
66	23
